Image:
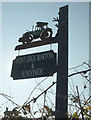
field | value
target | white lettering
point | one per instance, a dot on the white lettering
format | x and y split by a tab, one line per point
32	73
34	58
20	60
31	58
44	56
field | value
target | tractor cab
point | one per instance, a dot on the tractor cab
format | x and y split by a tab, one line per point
41	25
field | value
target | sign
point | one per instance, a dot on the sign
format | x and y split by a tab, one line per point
34	65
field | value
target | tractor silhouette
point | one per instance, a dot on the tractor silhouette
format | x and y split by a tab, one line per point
41	31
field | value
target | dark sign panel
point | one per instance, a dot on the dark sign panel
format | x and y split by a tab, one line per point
34	65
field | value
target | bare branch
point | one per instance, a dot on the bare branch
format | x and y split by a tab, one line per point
81	108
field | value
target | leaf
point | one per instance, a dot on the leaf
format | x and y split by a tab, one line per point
16	107
86	76
24	112
86	116
28	107
23	107
35	112
16	113
85	86
75	115
47	109
90	102
76	99
85	110
88	108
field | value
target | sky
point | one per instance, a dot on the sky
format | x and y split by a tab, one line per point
17	17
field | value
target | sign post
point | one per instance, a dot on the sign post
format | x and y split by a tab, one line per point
62	70
43	64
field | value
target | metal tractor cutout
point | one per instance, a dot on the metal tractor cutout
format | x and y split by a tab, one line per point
41	31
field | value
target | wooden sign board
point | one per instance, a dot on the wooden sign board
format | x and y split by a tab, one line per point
34	65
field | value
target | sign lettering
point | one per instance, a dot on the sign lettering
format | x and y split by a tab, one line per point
34	65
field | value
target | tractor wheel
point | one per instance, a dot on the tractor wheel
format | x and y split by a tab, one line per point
46	34
29	39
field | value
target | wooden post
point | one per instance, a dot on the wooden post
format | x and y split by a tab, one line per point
62	70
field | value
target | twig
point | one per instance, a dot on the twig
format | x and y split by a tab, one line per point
79	72
87	100
7	97
80	103
34	99
35	88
